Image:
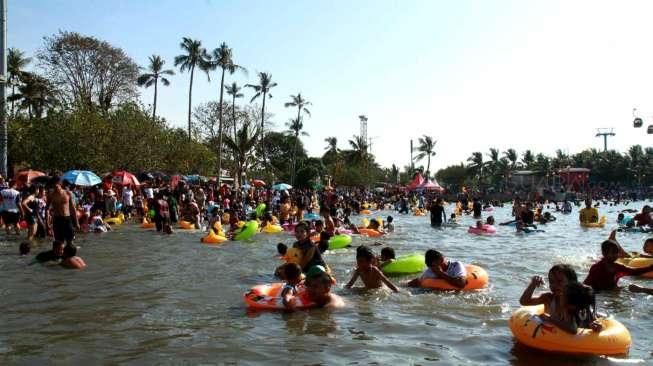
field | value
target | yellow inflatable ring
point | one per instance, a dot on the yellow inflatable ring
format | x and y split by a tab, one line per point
530	330
638	263
272	229
213	238
599	224
477	278
114	221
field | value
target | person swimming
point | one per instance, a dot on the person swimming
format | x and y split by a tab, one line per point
370	274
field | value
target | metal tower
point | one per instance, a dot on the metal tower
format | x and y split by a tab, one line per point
605	132
363	119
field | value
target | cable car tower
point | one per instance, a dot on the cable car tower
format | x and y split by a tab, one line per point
605	133
363	119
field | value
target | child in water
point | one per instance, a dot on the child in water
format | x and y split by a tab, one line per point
387	256
292	273
389	226
318	288
560	276
605	274
370	274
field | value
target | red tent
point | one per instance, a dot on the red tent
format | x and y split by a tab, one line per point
431	186
418	180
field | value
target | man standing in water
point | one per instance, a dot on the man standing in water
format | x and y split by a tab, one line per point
62	209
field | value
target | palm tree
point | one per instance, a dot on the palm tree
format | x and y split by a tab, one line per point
155	73
195	56
222	58
426	146
263	88
242	147
359	146
512	156
528	159
35	94
332	145
300	103
295	128
16	62
234	91
476	163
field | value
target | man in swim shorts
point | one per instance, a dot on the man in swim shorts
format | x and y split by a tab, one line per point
62	209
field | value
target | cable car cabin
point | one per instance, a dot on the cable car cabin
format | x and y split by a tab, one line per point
637	122
650	129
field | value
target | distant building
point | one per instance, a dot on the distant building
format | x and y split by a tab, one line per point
574	178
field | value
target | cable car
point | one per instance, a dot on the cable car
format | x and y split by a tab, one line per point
650	129
637	122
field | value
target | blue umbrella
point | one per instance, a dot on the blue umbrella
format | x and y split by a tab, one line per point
81	178
281	187
246	186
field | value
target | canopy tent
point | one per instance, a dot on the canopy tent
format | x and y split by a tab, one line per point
417	181
430	186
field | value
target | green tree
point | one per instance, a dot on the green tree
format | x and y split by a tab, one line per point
476	163
262	89
512	157
35	94
296	128
300	103
194	56
425	149
243	147
223	58
528	159
358	154
88	72
234	91
16	62
152	77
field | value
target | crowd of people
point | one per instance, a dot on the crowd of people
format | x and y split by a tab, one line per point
60	210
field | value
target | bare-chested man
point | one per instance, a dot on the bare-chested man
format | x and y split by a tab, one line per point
62	210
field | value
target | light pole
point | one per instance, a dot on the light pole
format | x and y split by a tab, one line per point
3	88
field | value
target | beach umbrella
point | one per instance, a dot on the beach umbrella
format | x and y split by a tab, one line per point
143	176
281	187
124	178
176	179
258	183
43	179
81	178
246	186
26	176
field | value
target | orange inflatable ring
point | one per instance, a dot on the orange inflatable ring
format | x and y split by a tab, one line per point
529	329
369	232
186	225
477	278
268	297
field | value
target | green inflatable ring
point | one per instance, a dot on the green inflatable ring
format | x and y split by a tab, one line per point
260	210
151	213
406	264
339	241
248	230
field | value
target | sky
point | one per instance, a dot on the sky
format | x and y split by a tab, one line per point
539	75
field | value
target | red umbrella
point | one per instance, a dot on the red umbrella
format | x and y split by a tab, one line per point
124	178
24	177
175	179
258	183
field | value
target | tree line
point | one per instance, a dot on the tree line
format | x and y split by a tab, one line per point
80	109
494	169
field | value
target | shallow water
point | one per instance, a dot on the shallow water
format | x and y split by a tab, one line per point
147	298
